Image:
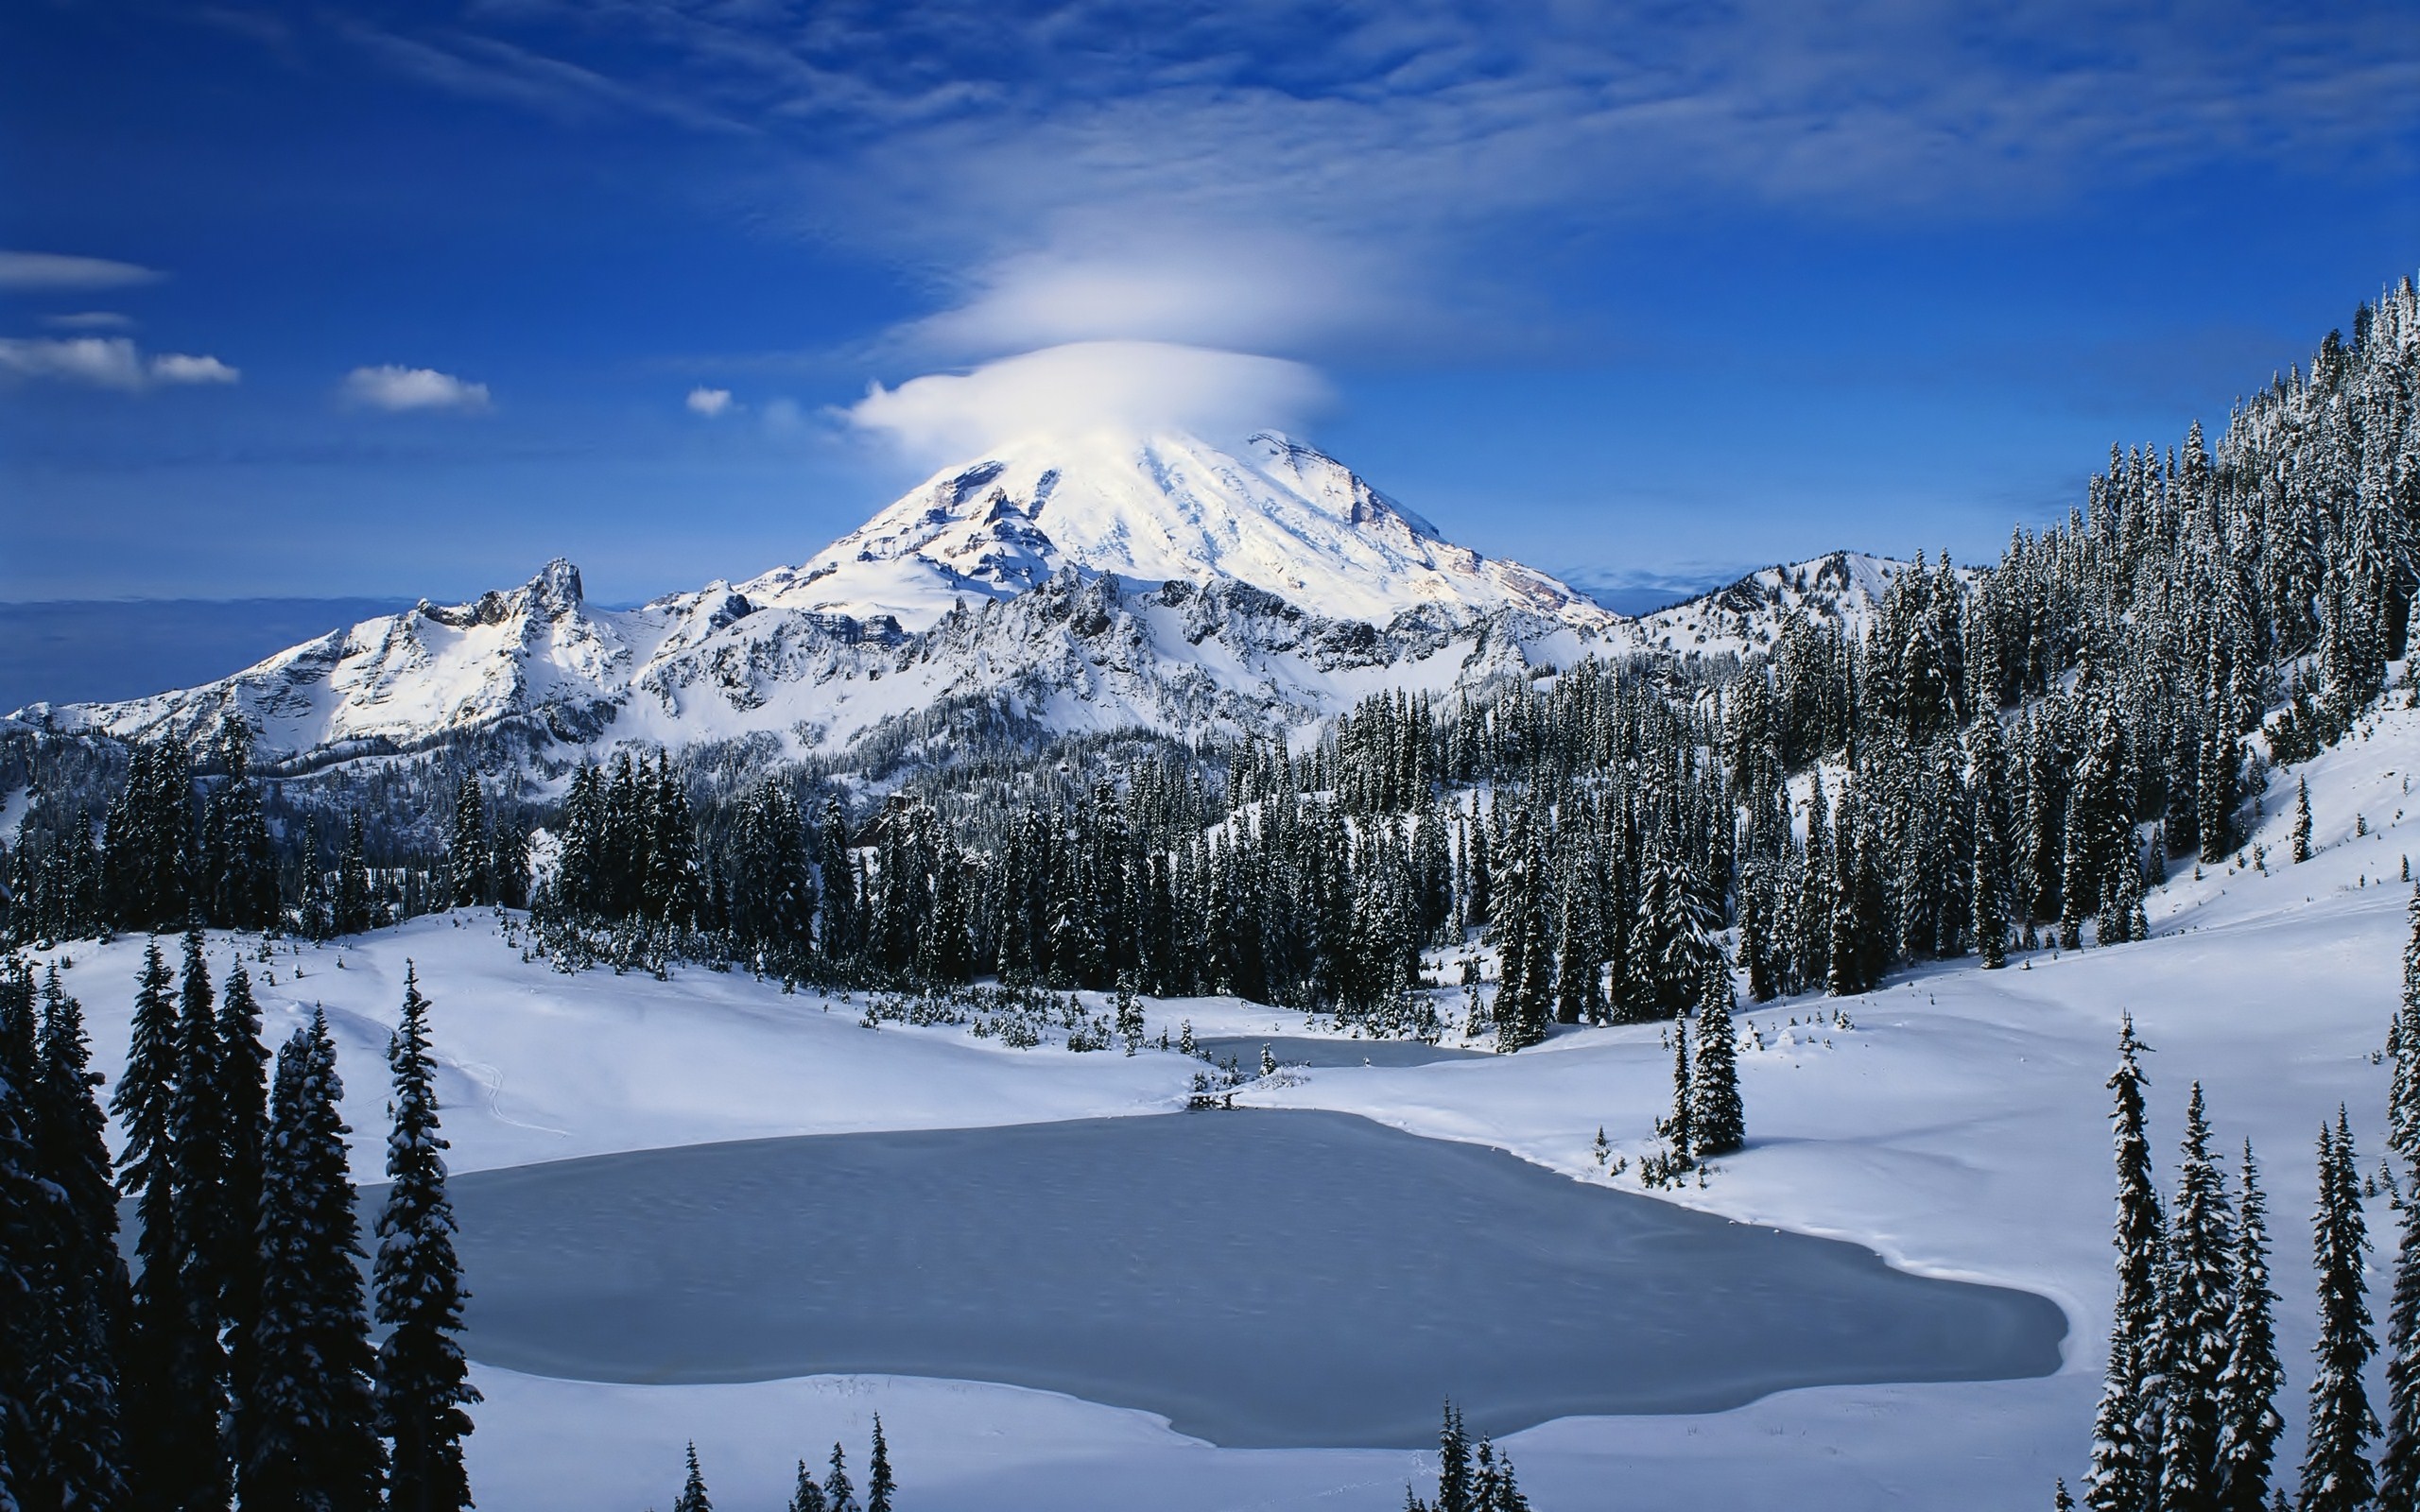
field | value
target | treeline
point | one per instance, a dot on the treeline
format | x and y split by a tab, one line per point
182	842
1988	761
233	1360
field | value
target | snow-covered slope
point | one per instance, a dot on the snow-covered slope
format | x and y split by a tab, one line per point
1278	516
1957	1123
1086	585
1844	587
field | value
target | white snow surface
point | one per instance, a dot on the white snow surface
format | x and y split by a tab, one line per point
1960	1128
1087	584
1278	515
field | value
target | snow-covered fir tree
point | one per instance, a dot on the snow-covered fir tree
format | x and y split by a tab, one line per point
310	1437
423	1388
2125	1448
2248	1423
2337	1475
1718	1124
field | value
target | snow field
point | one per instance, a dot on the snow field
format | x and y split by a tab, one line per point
1960	1129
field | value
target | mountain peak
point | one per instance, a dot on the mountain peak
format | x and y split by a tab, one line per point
1276	513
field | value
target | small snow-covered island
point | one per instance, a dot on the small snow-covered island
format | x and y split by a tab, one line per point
1164	968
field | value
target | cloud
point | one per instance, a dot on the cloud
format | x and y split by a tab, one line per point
1122	386
708	402
41	272
1235	288
397	388
107	362
178	367
90	321
104	362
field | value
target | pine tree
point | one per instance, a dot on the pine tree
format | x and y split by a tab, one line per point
2403	1039
2399	1458
2193	1339
1718	1126
311	1444
1988	880
840	1494
2247	1410
693	1490
29	1218
2302	820
467	851
424	1382
242	1072
170	1384
806	1495
76	1406
1453	1463
879	1485
2337	1476
1677	1128
2123	1477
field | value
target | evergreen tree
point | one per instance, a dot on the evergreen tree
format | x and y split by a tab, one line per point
2399	1459
2337	1476
1677	1128
840	1494
2302	820
2247	1408
2124	1473
1990	875
424	1382
76	1406
693	1490
1453	1463
879	1485
28	1217
467	851
2193	1342
311	1444
242	1070
806	1495
1717	1123
2403	1040
170	1378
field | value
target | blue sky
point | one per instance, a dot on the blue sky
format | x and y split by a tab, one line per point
405	299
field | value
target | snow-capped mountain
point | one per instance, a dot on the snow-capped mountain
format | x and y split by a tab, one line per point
1091	585
1279	516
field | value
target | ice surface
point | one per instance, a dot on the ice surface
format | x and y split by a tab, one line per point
1261	1279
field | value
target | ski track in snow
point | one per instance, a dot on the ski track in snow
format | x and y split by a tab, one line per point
1960	1129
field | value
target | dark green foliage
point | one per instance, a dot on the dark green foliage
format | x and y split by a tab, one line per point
839	1492
2337	1475
423	1380
2197	1298
879	1485
2124	1474
75	1404
1718	1124
308	1435
2247	1407
693	1496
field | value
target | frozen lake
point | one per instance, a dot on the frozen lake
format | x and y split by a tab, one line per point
1260	1278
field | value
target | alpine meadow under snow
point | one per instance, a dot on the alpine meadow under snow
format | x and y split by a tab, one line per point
1866	900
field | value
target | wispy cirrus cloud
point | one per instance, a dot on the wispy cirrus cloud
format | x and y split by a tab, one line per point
50	272
1311	178
107	362
398	390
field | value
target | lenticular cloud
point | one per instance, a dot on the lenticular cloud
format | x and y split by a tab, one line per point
1142	386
